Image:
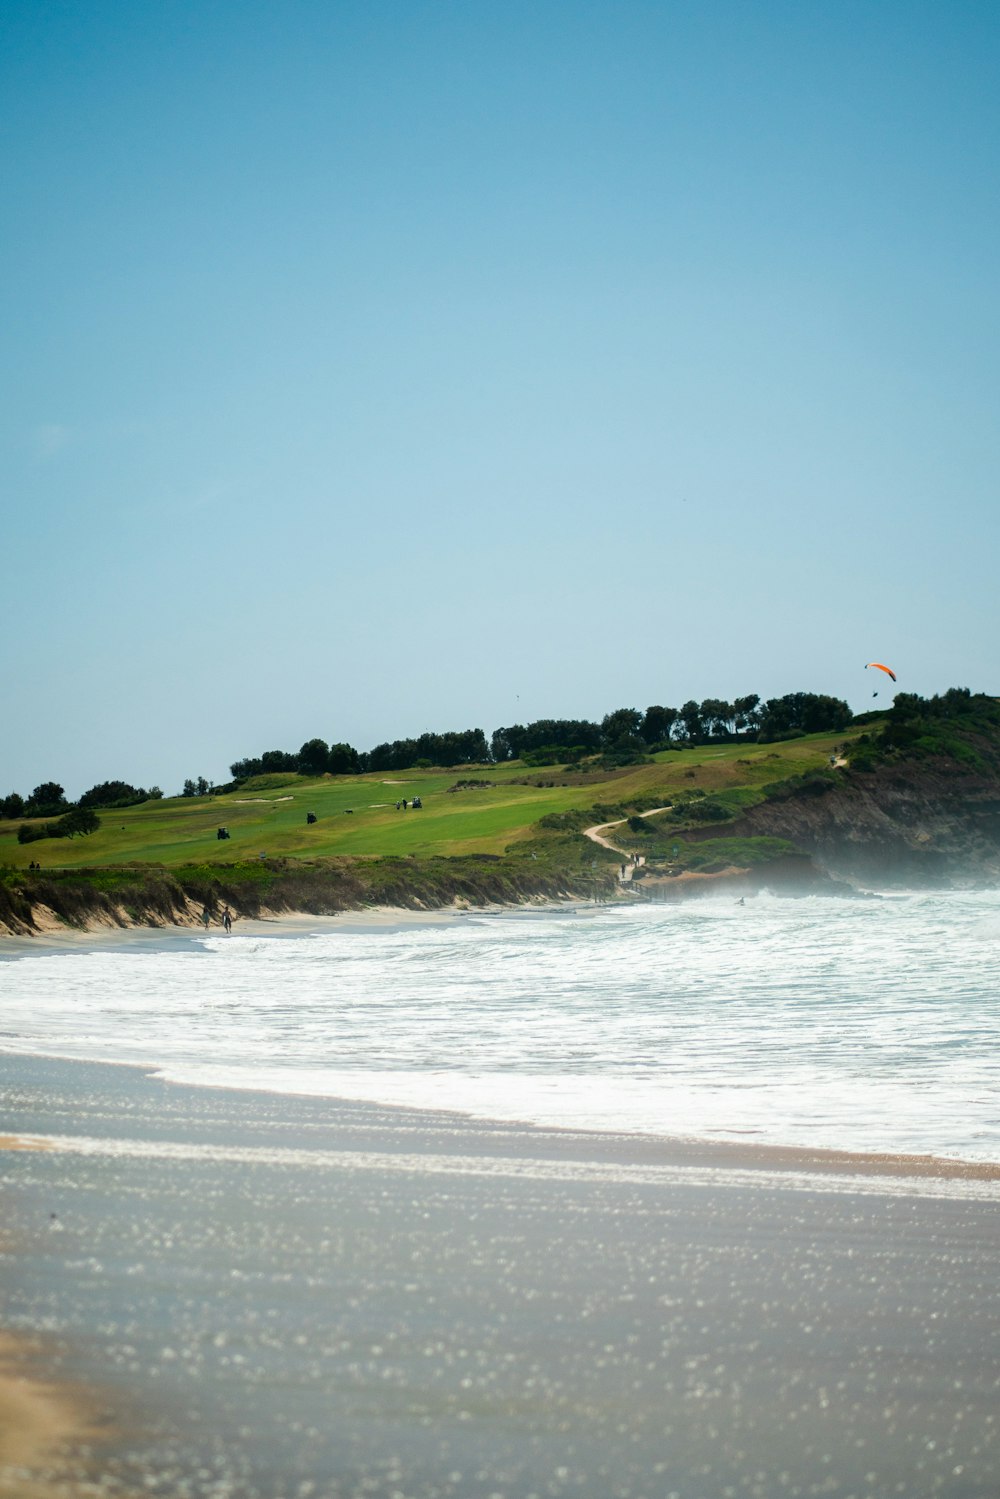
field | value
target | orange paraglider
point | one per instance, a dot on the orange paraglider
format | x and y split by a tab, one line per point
878	665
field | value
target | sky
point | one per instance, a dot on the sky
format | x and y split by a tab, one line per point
370	368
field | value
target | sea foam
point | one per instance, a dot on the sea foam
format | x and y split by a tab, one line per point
868	1025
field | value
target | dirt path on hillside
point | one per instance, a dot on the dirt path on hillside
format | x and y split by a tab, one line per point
599	828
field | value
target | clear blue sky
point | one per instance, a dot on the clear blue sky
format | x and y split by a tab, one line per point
377	367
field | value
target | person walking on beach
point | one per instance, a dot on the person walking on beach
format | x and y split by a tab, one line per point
227	921
206	917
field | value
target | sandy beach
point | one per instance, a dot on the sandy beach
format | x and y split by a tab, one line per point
267	1296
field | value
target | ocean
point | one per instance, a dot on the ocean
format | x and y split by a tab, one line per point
867	1024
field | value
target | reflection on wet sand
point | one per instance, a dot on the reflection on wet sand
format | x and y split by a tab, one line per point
292	1297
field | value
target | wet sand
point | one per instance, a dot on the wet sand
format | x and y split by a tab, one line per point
38	1421
271	1297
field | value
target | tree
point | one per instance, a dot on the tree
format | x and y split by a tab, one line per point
624	724
47	800
657	724
690	717
803	713
455	747
12	805
48	791
314	758
502	743
746	717
344	760
112	794
514	742
242	770
717	717
459	746
278	762
80	820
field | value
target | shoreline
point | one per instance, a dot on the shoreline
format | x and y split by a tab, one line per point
682	1152
699	1149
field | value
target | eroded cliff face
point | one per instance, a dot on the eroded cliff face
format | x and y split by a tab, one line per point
911	824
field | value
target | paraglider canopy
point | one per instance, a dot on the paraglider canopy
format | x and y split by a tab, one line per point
878	665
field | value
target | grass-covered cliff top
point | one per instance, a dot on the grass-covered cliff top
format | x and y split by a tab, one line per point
477	809
486	833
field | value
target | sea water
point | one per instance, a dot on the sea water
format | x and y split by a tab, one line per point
867	1024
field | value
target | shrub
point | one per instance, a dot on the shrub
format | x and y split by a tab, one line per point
709	809
618	758
812	783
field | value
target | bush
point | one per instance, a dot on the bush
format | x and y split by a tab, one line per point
547	754
812	783
618	759
709	809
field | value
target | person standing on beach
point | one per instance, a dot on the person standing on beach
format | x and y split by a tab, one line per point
227	921
206	917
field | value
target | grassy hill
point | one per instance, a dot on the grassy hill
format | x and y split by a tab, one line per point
484	834
909	797
357	816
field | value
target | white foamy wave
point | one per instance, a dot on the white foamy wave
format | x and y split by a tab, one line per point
854	1024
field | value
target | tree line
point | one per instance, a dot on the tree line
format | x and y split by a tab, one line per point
711	721
49	799
625	733
460	747
70	818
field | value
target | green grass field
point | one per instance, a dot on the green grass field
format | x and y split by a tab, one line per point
357	814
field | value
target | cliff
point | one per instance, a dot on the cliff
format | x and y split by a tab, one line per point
908	824
153	896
